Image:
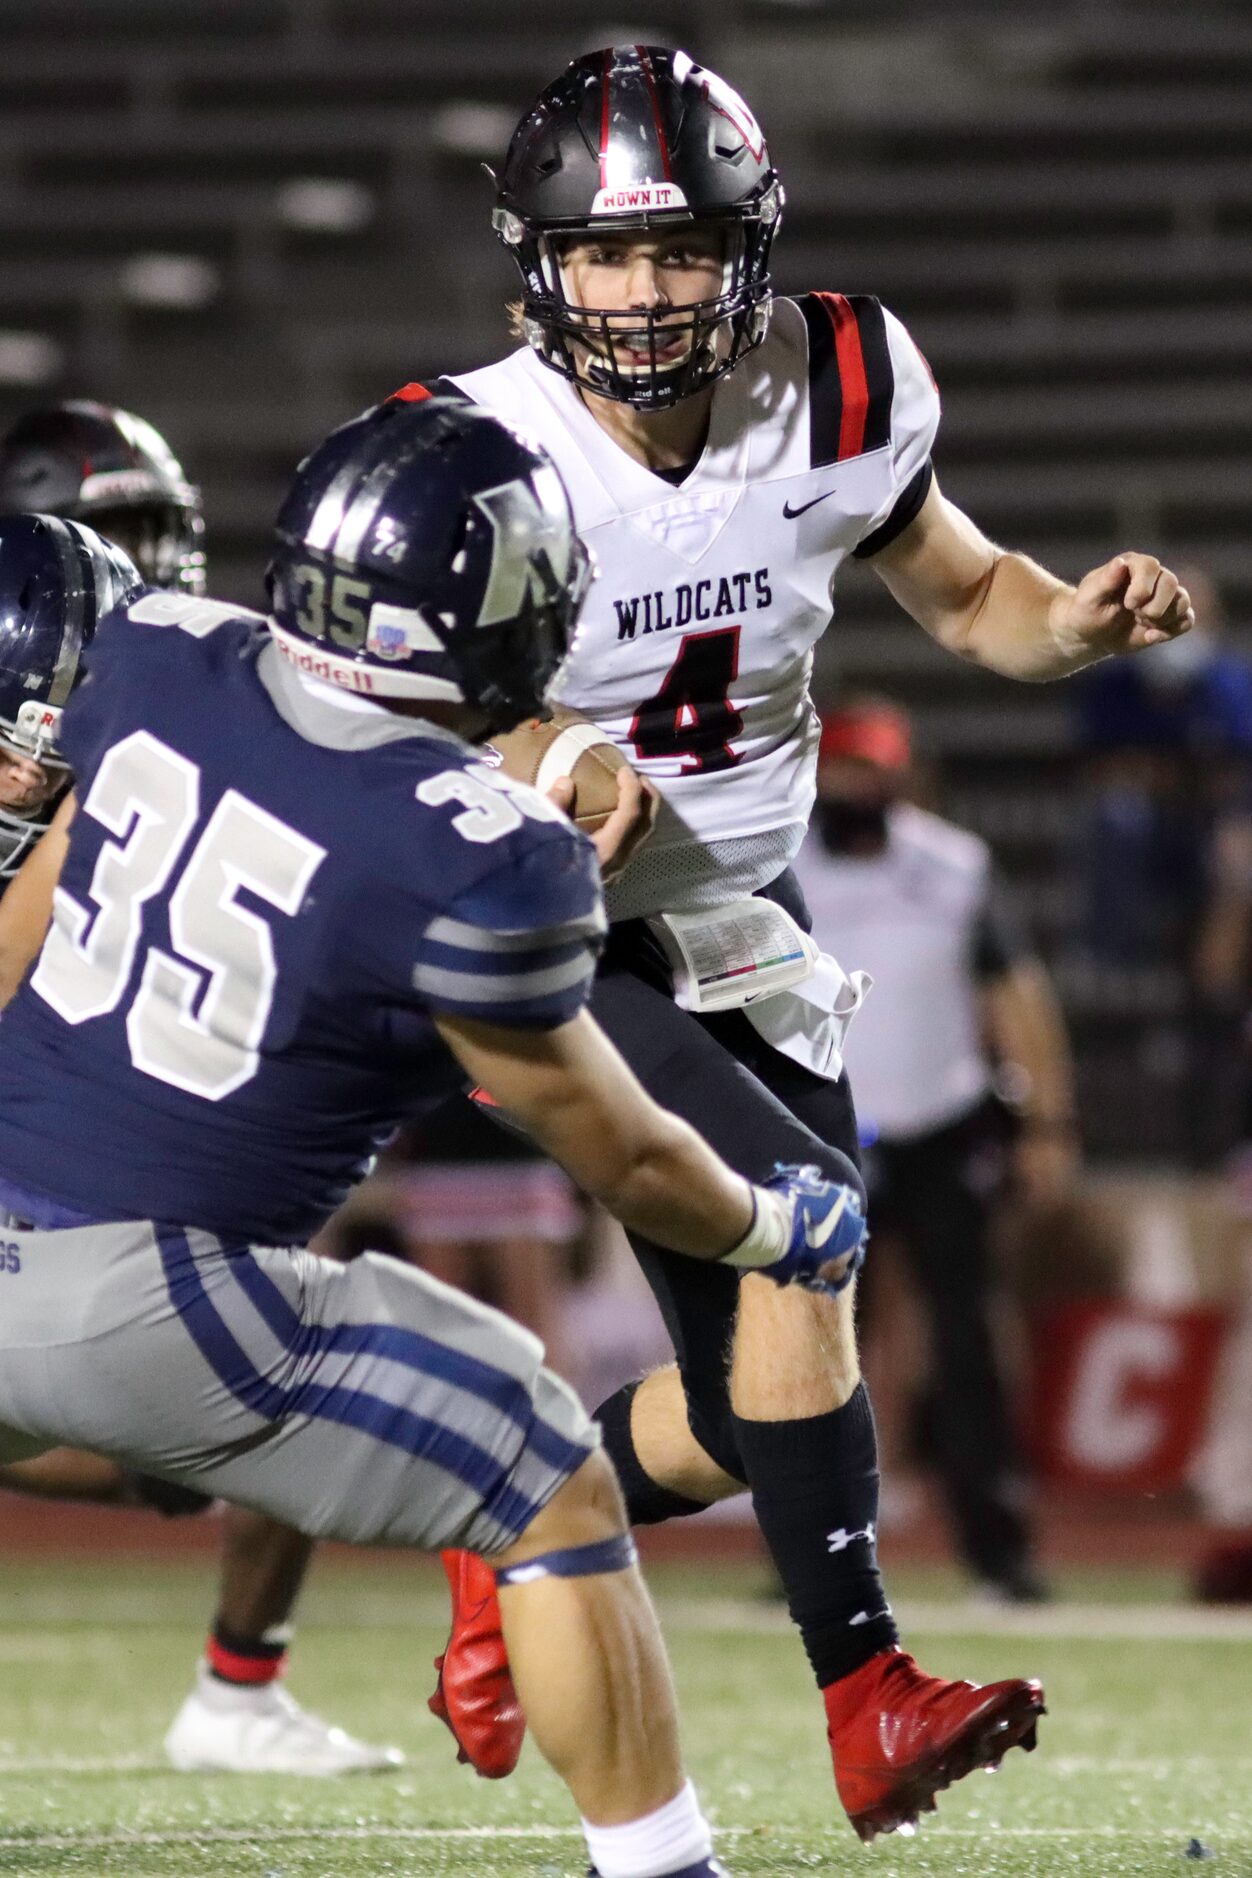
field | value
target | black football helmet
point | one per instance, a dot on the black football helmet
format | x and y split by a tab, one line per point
426	550
97	464
637	138
57	581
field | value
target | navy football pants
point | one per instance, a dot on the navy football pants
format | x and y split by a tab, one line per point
755	1107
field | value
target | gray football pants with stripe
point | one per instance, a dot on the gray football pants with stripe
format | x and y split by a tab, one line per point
365	1402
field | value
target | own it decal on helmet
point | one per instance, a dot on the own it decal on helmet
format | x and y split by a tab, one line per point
427	551
99	464
639	139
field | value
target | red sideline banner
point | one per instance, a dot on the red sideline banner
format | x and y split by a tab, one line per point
1121	1393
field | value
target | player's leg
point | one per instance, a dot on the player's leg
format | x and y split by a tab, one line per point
795	1421
664	1472
662	1441
238	1718
897	1735
616	1767
518	1465
68	1474
791	1433
235	1720
369	1403
798	1424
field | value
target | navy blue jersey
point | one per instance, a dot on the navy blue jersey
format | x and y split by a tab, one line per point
268	893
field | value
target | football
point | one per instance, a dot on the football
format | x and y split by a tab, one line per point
543	749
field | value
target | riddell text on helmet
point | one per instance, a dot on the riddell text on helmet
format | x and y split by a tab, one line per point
354	679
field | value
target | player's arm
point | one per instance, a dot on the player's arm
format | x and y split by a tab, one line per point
26	909
572	1092
1003	610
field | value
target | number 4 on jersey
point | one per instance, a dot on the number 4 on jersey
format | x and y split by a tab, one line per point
691	716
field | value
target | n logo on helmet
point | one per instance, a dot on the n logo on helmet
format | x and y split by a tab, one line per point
526	534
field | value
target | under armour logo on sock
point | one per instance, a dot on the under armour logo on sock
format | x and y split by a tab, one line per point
841	1540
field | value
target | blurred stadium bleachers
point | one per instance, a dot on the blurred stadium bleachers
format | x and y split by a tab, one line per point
249	218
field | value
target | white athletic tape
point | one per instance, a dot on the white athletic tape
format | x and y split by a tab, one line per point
561	755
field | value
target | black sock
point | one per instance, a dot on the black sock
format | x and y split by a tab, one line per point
647	1503
815	1489
248	1661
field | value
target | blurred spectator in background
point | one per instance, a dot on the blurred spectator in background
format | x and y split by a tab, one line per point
1224	1480
1168	741
1224	976
960	1007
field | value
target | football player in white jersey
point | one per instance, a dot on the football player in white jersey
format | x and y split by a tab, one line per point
726	450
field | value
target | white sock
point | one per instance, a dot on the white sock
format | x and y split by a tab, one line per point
675	1836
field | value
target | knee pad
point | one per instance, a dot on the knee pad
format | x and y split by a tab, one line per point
647	1502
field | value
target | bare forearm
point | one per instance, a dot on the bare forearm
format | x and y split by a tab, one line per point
669	1187
1004	611
1013	628
574	1095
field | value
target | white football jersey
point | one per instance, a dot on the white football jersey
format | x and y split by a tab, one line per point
697	638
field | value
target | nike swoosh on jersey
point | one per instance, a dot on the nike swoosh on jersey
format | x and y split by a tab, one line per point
791	513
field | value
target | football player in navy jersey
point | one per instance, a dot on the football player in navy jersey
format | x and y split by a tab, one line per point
725	451
97	464
294	905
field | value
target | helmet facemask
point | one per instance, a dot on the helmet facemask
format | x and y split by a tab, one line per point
583	342
163	539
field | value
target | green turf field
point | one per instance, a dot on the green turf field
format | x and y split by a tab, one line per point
1148	1744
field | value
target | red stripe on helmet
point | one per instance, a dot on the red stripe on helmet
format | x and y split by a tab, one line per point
410	394
852	380
606	86
662	141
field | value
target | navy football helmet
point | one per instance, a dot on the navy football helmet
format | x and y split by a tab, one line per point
426	550
98	464
57	581
639	139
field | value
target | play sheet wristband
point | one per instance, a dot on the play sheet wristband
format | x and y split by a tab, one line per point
732	955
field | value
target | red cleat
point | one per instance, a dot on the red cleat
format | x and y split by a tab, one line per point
475	1696
898	1736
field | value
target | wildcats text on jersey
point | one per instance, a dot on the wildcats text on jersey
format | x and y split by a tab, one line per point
695	644
722	598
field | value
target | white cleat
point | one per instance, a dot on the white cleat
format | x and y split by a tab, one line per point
223	1728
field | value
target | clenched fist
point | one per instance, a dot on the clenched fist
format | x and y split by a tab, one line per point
1129	603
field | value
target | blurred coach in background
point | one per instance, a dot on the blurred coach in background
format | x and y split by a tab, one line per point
958	993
